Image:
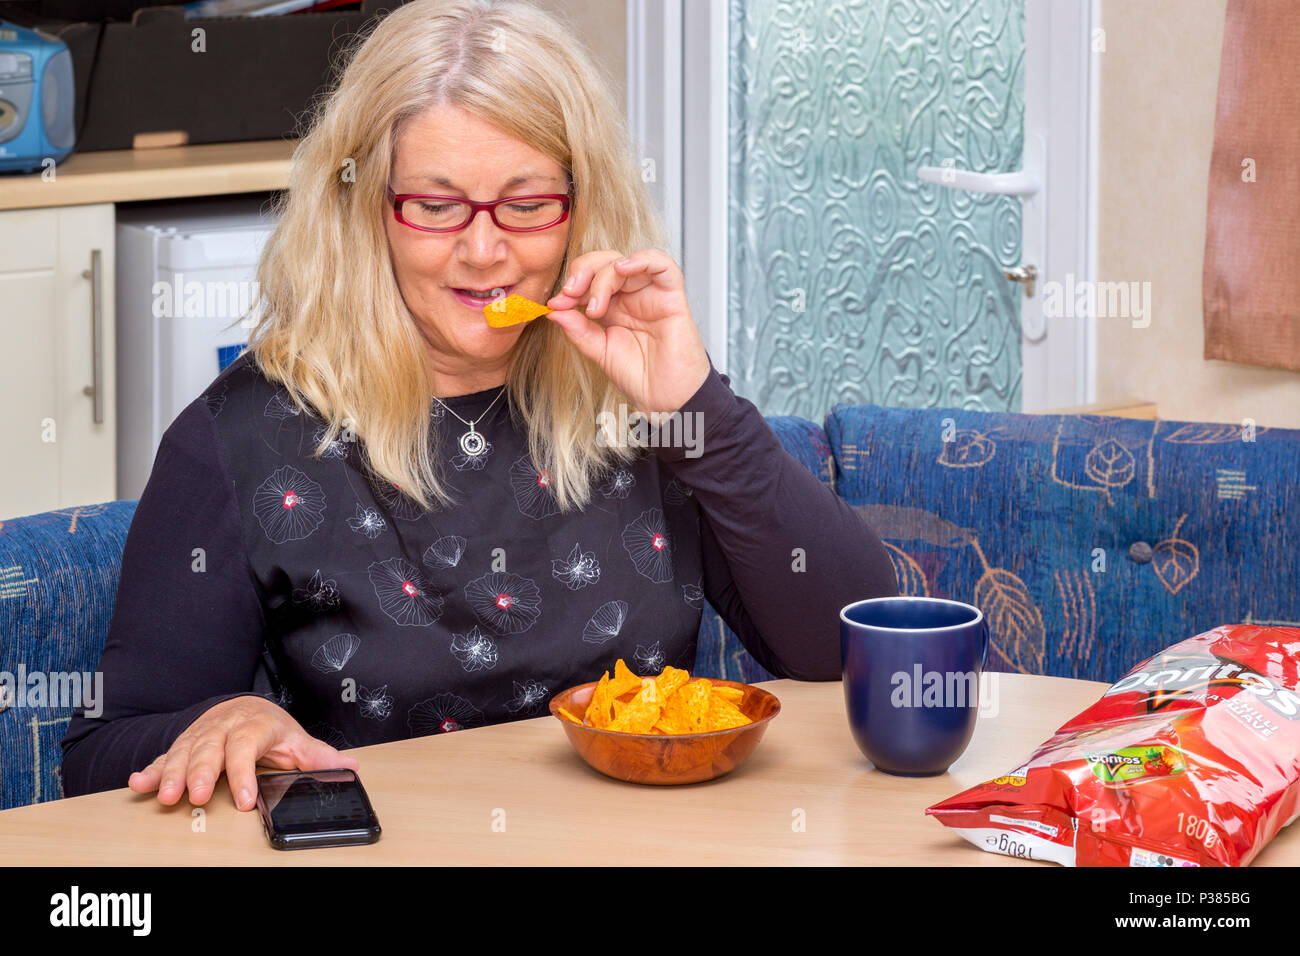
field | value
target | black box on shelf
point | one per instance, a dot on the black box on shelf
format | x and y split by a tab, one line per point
214	80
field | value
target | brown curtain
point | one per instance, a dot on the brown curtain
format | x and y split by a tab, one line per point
1251	282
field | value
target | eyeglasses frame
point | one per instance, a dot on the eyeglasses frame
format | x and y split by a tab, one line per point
398	199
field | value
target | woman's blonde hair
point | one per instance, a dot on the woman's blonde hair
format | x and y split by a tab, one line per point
335	330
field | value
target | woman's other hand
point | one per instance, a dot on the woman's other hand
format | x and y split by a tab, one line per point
645	338
234	735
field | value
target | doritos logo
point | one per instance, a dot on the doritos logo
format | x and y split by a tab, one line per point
1178	678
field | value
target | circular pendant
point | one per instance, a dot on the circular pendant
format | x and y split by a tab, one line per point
472	443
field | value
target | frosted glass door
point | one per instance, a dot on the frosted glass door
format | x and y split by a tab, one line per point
850	279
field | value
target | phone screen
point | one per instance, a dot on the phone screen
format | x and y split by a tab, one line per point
316	808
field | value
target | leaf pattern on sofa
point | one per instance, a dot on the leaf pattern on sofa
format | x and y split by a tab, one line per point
1111	464
911	579
914	524
1016	629
1207	433
967	449
1175	560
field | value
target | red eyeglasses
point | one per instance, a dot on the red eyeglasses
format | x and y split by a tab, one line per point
454	213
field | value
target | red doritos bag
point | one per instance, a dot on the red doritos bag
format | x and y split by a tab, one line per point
1190	759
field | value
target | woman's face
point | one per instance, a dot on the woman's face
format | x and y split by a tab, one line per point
448	152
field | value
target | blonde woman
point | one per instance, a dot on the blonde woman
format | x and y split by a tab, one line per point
388	518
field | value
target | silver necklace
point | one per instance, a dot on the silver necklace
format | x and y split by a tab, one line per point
472	443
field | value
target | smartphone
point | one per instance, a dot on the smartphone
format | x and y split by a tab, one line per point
311	808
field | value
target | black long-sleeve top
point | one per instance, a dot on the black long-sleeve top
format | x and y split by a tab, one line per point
252	568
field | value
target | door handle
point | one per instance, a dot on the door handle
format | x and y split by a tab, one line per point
1025	274
96	276
1019	183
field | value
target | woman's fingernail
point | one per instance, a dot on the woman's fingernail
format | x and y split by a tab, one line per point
568	286
622	262
244	797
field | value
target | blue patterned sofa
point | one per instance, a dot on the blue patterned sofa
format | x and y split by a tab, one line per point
1089	541
58	584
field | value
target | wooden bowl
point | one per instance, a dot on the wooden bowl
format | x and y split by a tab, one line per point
667	758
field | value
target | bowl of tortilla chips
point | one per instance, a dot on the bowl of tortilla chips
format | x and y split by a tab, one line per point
667	729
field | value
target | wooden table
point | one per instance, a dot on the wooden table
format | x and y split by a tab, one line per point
437	799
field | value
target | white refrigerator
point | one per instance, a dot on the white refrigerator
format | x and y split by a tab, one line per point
186	301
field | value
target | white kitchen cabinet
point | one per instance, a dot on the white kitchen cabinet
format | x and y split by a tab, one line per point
57	390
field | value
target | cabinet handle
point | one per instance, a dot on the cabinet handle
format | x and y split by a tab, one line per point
96	276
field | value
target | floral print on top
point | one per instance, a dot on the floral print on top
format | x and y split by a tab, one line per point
488	600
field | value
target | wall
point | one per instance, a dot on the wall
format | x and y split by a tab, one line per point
1159	83
602	26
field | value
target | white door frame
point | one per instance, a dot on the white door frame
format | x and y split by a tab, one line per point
677	81
677	113
654	104
1061	101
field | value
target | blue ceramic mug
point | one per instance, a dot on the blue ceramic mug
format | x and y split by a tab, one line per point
912	669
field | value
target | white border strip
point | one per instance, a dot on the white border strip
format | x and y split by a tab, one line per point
705	169
1089	372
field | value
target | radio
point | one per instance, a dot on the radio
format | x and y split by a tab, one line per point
37	99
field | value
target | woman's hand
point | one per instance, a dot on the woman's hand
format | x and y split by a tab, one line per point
235	734
646	339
